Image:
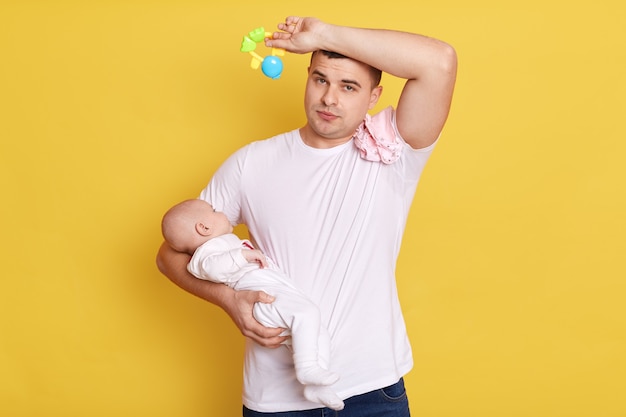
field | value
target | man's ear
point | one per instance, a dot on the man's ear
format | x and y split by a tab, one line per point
375	95
202	229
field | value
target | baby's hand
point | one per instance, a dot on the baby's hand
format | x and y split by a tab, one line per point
255	255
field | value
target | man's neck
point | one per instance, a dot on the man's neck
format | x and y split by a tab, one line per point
312	139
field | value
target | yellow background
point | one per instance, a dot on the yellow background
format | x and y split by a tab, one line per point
512	272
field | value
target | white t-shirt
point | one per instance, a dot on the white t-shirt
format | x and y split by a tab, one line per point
333	222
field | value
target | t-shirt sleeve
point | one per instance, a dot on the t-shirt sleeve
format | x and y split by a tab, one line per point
224	190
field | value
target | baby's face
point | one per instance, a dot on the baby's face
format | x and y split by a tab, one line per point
216	221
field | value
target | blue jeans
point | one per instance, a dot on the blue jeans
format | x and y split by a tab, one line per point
390	401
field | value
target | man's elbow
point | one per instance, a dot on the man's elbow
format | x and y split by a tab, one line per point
159	264
448	60
160	260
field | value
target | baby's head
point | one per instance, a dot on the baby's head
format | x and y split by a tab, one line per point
189	224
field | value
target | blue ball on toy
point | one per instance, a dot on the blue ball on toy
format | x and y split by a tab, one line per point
272	67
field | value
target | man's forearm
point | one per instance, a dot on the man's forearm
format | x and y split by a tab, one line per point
402	54
237	304
174	266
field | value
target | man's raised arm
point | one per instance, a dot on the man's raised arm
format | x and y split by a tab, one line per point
428	65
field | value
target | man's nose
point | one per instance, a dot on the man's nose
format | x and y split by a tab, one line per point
330	97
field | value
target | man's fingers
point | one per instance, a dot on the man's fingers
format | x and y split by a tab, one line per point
268	342
264	297
280	35
269	337
274	342
290	24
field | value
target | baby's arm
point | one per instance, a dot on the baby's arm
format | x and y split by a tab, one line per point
216	266
223	266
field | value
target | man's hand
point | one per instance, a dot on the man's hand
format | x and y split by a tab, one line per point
239	308
299	35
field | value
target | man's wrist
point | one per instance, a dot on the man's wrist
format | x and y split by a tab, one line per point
325	36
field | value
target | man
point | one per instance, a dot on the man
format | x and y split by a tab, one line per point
317	201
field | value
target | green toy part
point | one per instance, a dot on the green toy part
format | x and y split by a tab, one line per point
247	45
257	35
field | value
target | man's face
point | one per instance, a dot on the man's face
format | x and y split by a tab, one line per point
338	95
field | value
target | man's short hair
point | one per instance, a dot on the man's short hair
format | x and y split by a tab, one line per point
375	73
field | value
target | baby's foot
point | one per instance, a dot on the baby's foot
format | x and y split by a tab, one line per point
323	395
315	375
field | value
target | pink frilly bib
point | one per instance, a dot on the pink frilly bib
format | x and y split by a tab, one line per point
376	138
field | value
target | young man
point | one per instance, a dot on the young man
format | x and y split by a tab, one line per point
320	204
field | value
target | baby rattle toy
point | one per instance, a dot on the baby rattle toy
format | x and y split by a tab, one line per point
271	65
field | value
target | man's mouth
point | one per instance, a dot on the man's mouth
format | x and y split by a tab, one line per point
327	115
